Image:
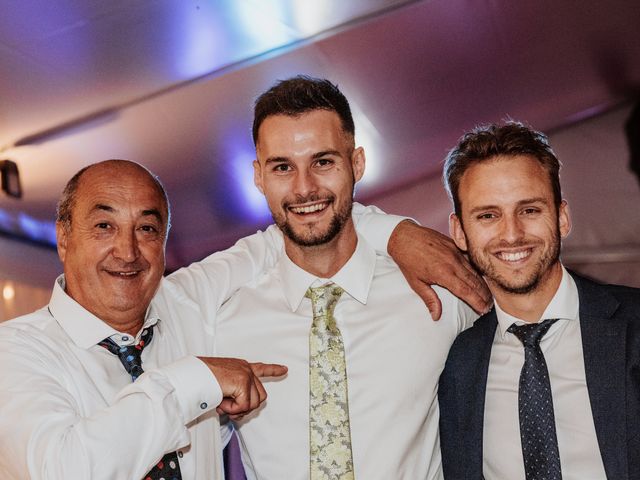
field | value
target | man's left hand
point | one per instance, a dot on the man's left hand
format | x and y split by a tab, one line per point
426	258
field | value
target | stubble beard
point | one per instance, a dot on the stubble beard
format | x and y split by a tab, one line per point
311	238
527	285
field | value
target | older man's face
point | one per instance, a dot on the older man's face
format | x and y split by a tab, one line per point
113	252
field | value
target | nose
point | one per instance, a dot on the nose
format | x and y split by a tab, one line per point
512	230
126	246
304	184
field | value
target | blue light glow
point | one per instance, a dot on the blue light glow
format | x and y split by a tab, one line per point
27	227
214	36
37	229
255	205
202	43
236	194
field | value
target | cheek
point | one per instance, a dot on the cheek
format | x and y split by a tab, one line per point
478	238
277	192
87	253
152	251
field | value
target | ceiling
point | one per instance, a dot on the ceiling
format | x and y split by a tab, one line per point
170	83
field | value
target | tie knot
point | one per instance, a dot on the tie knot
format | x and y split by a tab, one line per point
324	299
130	355
530	334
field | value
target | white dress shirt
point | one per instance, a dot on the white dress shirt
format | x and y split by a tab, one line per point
68	409
62	395
580	457
394	354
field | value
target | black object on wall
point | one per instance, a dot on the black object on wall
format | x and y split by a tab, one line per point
10	178
632	129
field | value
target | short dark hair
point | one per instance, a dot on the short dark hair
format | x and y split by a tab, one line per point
298	95
68	197
489	141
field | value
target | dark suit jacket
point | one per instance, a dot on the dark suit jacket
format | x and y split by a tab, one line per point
610	329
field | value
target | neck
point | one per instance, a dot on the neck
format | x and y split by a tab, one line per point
529	306
130	326
327	259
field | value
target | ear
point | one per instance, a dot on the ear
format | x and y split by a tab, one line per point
358	162
457	232
564	219
257	175
61	240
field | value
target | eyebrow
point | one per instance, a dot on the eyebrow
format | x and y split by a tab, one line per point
315	156
526	201
153	212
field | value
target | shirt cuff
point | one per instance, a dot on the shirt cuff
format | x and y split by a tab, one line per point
195	386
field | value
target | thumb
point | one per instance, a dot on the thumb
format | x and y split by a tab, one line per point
268	369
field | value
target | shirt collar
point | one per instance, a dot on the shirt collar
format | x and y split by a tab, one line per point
563	305
83	327
354	277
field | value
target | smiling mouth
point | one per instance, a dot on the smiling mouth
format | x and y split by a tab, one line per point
514	256
311	208
130	274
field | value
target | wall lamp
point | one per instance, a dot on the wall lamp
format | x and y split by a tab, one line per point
10	178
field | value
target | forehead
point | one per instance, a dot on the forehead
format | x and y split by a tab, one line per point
122	188
284	135
504	179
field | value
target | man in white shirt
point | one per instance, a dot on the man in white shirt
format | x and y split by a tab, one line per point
546	385
68	407
307	165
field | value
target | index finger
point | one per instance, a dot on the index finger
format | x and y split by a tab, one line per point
268	369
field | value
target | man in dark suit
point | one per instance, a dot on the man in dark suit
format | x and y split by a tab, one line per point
547	384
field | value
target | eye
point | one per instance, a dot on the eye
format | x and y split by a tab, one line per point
485	216
324	162
149	228
103	225
282	168
530	210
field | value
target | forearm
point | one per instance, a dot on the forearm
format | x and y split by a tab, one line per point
46	433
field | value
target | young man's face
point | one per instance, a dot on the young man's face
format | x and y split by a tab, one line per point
509	222
306	167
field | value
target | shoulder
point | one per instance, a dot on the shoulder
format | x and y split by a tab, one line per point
34	322
482	331
590	291
29	334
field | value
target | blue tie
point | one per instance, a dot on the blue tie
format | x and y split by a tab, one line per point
130	356
535	405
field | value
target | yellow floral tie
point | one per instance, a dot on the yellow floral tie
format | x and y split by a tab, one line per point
329	432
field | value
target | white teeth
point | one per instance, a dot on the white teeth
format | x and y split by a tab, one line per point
309	209
126	274
514	257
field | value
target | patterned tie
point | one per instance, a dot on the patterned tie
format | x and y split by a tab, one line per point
535	405
168	467
329	432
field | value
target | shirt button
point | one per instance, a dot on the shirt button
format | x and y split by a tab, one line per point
203	405
125	338
180	454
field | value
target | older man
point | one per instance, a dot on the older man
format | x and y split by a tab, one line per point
545	386
68	405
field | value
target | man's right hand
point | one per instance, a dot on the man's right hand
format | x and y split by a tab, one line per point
239	381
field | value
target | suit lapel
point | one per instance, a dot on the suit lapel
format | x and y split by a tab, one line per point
475	391
603	341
